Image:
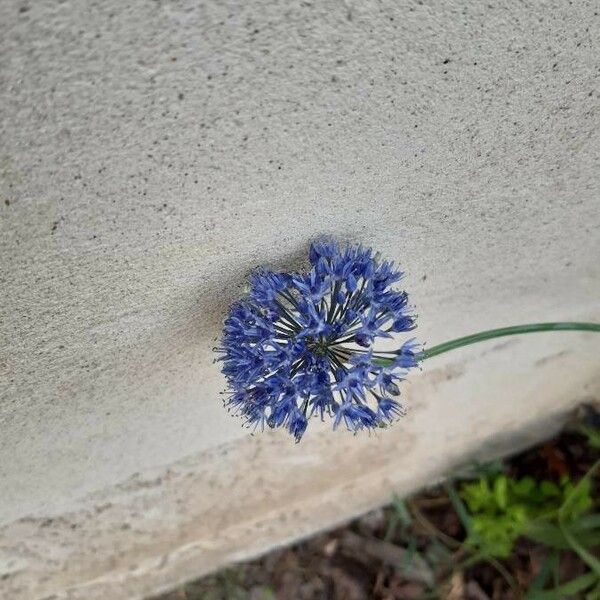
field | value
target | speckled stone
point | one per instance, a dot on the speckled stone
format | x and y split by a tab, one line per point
153	152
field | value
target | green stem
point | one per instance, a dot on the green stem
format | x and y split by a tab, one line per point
504	331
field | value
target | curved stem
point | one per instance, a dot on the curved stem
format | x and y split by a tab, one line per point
504	331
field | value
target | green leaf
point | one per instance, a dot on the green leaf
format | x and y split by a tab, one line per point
547	534
550	490
579	584
501	491
554	536
436	553
537	585
482	470
592	434
586	556
411	550
523	487
460	509
579	496
391	528
402	511
593	594
588	521
518	514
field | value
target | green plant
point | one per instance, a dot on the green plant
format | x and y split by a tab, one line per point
496	509
592	434
503	508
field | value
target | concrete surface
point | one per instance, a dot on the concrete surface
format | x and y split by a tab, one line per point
152	153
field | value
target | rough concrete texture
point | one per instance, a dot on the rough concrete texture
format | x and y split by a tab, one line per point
152	153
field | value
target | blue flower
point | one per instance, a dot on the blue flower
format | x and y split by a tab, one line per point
304	344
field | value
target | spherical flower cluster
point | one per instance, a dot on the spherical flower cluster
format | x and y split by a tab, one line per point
300	345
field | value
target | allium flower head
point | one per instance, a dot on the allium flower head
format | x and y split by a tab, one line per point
304	344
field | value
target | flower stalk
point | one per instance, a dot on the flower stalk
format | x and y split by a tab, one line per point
506	331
